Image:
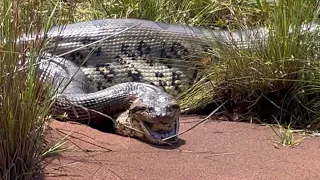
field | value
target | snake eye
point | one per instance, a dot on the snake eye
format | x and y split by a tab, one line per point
173	107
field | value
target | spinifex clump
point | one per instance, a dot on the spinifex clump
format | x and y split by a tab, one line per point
24	100
274	78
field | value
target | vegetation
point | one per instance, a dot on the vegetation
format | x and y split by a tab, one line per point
285	135
205	12
279	74
24	100
276	76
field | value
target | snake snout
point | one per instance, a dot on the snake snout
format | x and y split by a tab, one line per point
164	115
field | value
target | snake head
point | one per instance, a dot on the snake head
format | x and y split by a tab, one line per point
158	116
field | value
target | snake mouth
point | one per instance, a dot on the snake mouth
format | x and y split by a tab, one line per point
156	132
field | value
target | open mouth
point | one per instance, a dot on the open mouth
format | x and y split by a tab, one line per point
156	132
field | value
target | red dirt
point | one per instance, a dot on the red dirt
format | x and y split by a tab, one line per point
214	150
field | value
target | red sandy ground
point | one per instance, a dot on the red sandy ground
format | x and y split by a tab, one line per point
214	150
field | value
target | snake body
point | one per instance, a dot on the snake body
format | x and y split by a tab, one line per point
142	106
122	61
120	50
130	70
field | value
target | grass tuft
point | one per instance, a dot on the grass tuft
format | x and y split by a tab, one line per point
278	75
206	13
24	100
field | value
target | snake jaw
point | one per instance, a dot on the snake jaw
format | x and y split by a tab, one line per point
129	125
157	136
156	122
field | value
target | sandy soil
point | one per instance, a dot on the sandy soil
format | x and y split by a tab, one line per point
214	150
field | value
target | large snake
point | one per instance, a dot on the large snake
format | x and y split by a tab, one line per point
122	61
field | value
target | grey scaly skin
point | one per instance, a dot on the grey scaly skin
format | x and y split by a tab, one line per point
121	50
116	51
142	107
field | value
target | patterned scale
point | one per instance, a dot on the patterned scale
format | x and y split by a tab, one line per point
171	71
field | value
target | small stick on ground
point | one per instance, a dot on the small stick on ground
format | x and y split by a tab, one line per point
197	124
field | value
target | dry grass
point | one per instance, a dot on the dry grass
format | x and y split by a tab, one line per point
281	71
24	100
